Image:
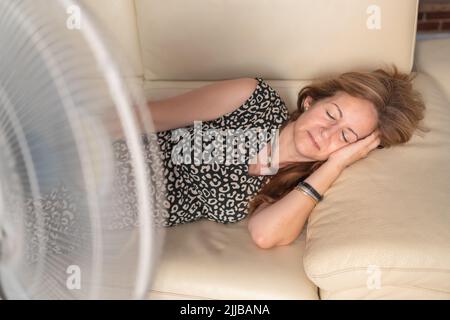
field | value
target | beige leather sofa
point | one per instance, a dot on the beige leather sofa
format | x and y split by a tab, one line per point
383	229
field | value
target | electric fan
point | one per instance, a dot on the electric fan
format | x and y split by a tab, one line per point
73	127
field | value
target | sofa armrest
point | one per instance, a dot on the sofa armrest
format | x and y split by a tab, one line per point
433	58
385	221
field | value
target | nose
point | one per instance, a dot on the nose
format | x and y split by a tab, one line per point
328	132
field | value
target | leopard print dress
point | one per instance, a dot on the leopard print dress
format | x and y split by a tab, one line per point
217	191
193	190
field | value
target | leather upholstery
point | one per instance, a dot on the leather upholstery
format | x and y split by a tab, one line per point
119	19
208	260
389	211
289	39
431	57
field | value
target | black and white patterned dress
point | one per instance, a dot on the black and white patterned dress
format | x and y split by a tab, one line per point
215	191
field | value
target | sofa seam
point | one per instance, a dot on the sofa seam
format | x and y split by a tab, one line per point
390	286
180	294
337	272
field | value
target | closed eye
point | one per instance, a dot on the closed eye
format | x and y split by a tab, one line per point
330	116
342	131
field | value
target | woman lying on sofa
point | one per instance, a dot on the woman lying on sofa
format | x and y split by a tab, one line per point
338	121
278	182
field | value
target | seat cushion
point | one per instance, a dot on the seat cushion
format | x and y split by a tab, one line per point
209	260
385	222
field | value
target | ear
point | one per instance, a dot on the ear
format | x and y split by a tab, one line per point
307	102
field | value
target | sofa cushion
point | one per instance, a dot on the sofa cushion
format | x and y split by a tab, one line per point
118	18
385	293
385	222
211	40
432	58
210	260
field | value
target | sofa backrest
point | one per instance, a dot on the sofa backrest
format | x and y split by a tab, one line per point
276	39
118	17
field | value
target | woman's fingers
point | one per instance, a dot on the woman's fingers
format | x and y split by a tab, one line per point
356	151
374	143
376	133
367	141
371	142
374	136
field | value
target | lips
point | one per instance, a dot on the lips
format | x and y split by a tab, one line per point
314	141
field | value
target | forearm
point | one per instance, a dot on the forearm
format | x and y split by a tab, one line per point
281	222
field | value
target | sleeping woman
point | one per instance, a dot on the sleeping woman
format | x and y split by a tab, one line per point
338	121
231	150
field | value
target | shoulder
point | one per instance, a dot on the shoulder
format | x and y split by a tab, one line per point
242	88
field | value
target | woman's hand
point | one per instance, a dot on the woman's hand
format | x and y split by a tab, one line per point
347	155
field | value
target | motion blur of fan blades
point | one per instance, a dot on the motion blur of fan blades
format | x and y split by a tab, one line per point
66	95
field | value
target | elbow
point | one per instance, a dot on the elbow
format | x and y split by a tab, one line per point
258	237
262	242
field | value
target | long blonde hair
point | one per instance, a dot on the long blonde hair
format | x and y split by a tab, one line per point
400	109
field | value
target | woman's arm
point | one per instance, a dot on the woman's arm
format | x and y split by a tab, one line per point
202	104
282	222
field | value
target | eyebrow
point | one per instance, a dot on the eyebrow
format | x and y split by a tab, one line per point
342	115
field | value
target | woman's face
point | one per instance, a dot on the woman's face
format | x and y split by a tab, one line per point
355	121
